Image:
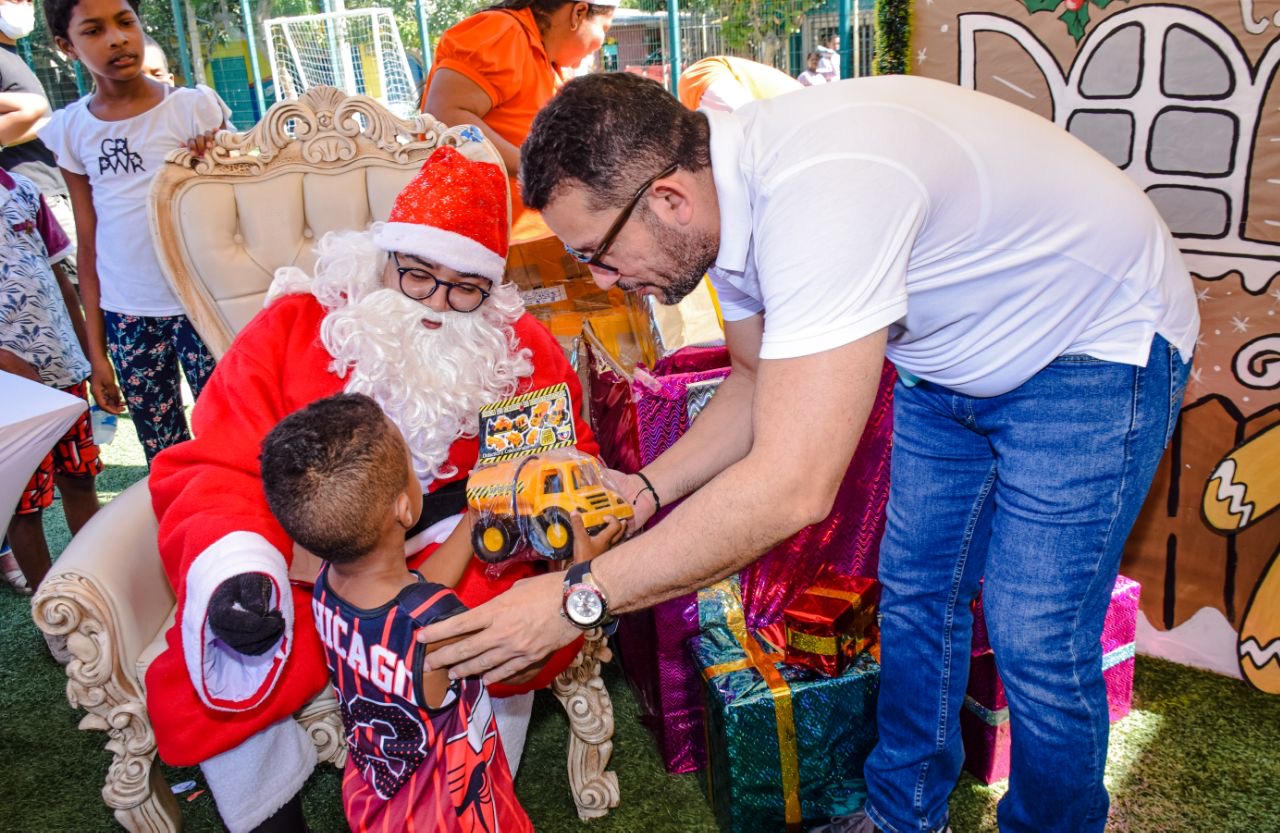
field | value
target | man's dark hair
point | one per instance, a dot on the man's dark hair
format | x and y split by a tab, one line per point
58	15
330	471
609	132
543	9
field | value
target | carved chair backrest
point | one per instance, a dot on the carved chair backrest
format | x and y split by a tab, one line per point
256	201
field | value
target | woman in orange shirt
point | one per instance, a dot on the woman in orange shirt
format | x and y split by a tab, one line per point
498	67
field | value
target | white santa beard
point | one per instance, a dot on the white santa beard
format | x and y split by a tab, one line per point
431	382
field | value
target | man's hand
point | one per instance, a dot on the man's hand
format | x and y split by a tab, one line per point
241	615
102	382
504	635
636	492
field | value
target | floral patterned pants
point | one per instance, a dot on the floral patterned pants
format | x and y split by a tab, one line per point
147	352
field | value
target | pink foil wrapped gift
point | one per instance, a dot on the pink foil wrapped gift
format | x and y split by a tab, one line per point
984	722
635	419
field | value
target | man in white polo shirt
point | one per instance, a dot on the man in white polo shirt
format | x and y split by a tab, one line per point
1043	322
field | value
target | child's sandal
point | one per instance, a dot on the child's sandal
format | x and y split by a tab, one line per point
13	573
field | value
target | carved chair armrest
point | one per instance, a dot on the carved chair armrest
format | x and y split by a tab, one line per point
109	588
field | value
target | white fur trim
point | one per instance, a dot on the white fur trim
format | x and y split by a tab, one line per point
226	679
288	280
434	534
252	781
454	250
512	715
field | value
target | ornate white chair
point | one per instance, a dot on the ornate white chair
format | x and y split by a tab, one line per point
223	224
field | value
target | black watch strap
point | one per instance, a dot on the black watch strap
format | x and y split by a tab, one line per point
576	573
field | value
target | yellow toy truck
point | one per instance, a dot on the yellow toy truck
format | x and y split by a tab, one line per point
531	498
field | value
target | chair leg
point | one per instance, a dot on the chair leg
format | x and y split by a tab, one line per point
581	691
323	721
70	605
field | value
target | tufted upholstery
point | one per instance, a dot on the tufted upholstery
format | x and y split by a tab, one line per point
259	200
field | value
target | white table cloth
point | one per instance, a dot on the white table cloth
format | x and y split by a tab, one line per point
32	419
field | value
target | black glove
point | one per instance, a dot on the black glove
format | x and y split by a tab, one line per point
240	614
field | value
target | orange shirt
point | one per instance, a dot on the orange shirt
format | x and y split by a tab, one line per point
757	80
502	52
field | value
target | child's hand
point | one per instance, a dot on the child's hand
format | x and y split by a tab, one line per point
199	144
102	381
587	547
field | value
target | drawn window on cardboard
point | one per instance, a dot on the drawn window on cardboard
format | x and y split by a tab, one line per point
1167	94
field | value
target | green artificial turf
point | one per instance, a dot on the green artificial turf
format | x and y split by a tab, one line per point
1199	752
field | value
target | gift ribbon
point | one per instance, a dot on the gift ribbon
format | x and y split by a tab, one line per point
1118	655
849	596
765	664
994	717
810	644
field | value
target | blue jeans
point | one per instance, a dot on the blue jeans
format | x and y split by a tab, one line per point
1036	490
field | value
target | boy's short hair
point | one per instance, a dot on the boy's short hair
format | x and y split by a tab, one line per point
330	471
57	13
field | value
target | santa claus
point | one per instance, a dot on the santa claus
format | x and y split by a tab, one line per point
414	314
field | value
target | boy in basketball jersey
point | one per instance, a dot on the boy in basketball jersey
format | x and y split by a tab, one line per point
424	750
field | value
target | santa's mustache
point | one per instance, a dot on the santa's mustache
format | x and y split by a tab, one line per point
430	381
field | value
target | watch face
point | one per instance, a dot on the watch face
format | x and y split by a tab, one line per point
584	606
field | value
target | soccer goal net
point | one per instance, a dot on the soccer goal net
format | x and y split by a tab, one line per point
357	51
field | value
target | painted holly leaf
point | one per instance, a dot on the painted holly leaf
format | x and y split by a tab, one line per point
1041	5
1076	19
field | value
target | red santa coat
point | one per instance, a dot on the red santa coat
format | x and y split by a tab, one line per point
214	523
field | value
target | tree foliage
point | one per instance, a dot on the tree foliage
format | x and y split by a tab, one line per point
745	25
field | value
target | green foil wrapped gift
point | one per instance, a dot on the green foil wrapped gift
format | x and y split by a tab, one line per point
785	744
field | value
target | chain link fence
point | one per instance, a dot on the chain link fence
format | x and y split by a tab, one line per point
779	33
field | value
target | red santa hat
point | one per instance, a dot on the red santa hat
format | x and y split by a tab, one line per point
454	213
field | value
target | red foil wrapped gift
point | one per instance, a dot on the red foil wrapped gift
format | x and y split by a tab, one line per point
831	622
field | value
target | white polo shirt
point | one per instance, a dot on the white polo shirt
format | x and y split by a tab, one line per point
986	239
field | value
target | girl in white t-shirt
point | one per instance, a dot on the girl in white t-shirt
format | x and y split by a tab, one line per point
109	145
811	76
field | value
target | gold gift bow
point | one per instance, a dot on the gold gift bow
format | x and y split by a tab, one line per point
764	663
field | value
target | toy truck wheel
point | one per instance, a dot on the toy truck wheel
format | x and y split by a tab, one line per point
493	540
554	538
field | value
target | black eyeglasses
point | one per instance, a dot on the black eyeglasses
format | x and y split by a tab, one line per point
419	284
594	260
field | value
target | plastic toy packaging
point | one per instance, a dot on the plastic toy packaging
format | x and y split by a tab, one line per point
530	479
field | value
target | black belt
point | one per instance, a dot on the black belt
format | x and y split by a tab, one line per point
442	503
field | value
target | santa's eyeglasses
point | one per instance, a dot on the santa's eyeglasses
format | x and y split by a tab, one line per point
419	284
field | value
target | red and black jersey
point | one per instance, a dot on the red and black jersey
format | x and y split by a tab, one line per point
411	767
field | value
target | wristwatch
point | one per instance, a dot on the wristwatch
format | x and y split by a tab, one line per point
585	605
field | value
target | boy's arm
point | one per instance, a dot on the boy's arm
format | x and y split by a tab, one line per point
435	683
18	366
102	379
448	562
586	546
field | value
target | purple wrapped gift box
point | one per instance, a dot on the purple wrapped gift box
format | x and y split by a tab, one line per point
637	419
984	722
